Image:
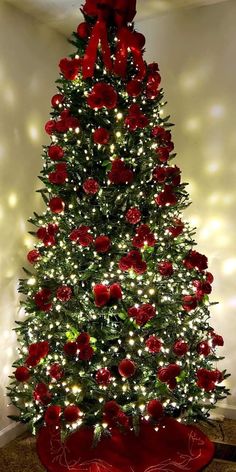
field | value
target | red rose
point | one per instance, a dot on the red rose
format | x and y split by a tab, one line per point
159	174
127	368
120	173
83	340
174	175
135	118
43	299
162	153
81	236
206	379
71	414
59	176
195	260
189	302
209	278
83	30
111	409
70	348
166	374
47	234
180	347
125	263
133	215
167	197
22	374
177	228
70	68
134	88
55	152
57	100
101	136
56	371
143	236
33	256
41	394
86	353
217	340
56	205
155	409
165	268
153	344
102	244
115	292
102	95
103	377
101	294
52	415
64	293
143	314
91	186
203	348
50	127
140	267
37	351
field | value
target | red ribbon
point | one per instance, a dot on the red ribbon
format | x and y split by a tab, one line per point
128	43
99	35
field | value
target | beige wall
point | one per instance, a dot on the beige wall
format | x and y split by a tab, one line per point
29	54
196	52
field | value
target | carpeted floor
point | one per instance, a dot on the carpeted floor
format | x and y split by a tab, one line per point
20	455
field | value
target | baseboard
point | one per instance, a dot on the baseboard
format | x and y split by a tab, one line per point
11	432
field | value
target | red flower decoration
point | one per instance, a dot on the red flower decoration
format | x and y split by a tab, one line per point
167	197
133	260
37	351
143	237
102	244
101	136
50	127
115	292
81	236
55	152
165	269
70	348
163	153
41	394
180	347
101	294
91	186
120	173
133	215
56	371
83	30
203	348
143	314
168	375
111	409
86	353
59	176
57	100
155	409
52	415
43	299
136	119
127	368
102	95
47	234
134	88
153	344
64	293
83	340
189	302
22	374
217	340
177	228
116	11
56	205
33	256
195	260
71	414
103	377
70	68
207	379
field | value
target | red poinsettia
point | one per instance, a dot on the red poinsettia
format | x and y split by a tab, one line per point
120	173
207	379
135	118
142	314
102	95
56	371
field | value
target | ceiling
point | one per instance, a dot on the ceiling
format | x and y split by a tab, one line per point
63	15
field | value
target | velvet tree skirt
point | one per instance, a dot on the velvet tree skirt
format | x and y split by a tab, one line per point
173	447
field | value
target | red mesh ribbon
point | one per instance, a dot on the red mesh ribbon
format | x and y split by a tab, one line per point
173	448
119	13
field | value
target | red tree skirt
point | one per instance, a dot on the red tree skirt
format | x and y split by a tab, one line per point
174	447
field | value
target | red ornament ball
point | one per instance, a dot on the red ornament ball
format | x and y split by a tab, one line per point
52	415
102	244
56	205
180	347
57	100
22	374
83	30
71	413
103	377
101	136
91	186
55	152
33	256
50	127
133	215
64	293
127	368
155	409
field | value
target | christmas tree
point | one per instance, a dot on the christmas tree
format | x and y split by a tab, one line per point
117	322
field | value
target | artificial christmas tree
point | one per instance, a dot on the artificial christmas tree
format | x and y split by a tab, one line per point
117	337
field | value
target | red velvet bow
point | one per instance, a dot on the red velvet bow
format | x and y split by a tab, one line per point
119	13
